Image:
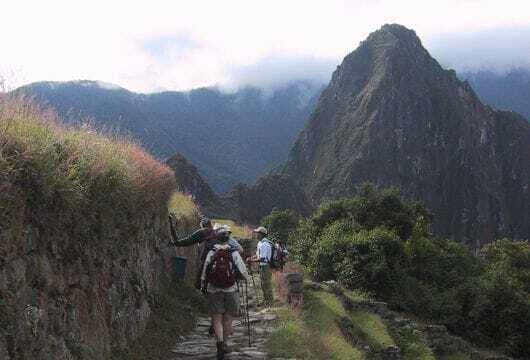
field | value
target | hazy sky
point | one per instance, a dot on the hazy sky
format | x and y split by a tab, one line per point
154	45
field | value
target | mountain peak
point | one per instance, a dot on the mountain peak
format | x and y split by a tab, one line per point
400	32
393	116
393	36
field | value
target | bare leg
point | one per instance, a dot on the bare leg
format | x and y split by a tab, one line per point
227	331
227	325
217	320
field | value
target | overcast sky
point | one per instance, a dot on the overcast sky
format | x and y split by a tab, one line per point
175	45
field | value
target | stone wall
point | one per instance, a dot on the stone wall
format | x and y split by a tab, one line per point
191	253
78	298
289	286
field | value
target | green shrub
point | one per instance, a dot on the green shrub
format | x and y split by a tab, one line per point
280	224
303	239
373	261
383	244
377	208
501	313
329	250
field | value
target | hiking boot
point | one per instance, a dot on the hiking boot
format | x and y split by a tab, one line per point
220	350
226	348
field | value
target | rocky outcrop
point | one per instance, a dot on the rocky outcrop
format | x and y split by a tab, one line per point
392	116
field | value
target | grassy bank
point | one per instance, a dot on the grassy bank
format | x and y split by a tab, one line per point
316	334
68	179
338	326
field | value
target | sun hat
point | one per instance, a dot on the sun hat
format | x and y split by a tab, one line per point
261	230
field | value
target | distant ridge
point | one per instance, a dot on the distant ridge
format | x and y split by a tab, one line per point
230	137
505	91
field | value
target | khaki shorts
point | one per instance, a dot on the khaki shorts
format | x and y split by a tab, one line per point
221	302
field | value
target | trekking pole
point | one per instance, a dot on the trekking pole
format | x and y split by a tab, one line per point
243	308
247	315
253	282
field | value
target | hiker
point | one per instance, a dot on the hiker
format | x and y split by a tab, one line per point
234	244
264	257
283	254
206	236
222	267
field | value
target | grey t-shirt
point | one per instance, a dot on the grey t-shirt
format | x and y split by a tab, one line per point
234	245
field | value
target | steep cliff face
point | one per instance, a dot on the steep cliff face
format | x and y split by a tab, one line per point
392	116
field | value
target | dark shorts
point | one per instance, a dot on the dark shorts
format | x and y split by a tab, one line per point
223	303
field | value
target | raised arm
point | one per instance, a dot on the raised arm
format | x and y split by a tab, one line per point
194	238
203	270
172	228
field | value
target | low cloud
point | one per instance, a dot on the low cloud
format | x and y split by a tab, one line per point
276	71
180	45
499	50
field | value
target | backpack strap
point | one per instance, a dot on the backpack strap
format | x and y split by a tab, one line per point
271	244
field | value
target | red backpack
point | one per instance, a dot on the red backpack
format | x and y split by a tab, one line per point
221	271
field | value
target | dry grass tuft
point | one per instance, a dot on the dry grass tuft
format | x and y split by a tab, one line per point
182	205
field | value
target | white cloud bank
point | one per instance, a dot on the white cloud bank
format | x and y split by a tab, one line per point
154	45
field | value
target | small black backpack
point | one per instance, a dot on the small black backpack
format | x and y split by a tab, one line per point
275	261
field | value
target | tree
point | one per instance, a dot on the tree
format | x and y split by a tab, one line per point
281	223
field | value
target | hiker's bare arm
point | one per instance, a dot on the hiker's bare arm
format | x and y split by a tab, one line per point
238	260
172	227
207	261
194	238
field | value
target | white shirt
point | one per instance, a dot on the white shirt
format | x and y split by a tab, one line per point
238	262
264	251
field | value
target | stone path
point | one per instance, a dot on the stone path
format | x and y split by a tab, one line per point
198	345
